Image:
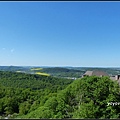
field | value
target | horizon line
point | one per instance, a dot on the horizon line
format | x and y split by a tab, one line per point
59	66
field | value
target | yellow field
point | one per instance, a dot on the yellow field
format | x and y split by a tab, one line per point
36	68
39	73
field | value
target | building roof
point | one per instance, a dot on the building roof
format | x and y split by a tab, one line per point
96	73
88	73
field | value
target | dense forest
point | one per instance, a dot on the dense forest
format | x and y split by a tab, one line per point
34	96
33	81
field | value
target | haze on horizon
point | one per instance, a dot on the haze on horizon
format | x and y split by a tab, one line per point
79	34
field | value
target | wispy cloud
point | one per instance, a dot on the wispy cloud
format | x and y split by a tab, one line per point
12	50
3	48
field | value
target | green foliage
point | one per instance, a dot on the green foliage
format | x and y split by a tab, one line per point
35	82
24	108
87	97
51	103
86	110
84	98
41	112
97	92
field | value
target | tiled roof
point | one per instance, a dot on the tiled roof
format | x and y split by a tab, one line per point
96	73
89	73
99	73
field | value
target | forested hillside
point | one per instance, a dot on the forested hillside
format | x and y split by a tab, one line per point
61	72
33	81
83	98
14	68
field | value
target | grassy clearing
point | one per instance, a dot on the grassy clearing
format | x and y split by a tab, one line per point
39	73
36	68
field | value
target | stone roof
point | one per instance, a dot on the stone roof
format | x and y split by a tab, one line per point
96	73
89	73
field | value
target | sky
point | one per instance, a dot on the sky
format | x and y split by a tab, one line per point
79	34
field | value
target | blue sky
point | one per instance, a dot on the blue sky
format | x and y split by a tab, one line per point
84	34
